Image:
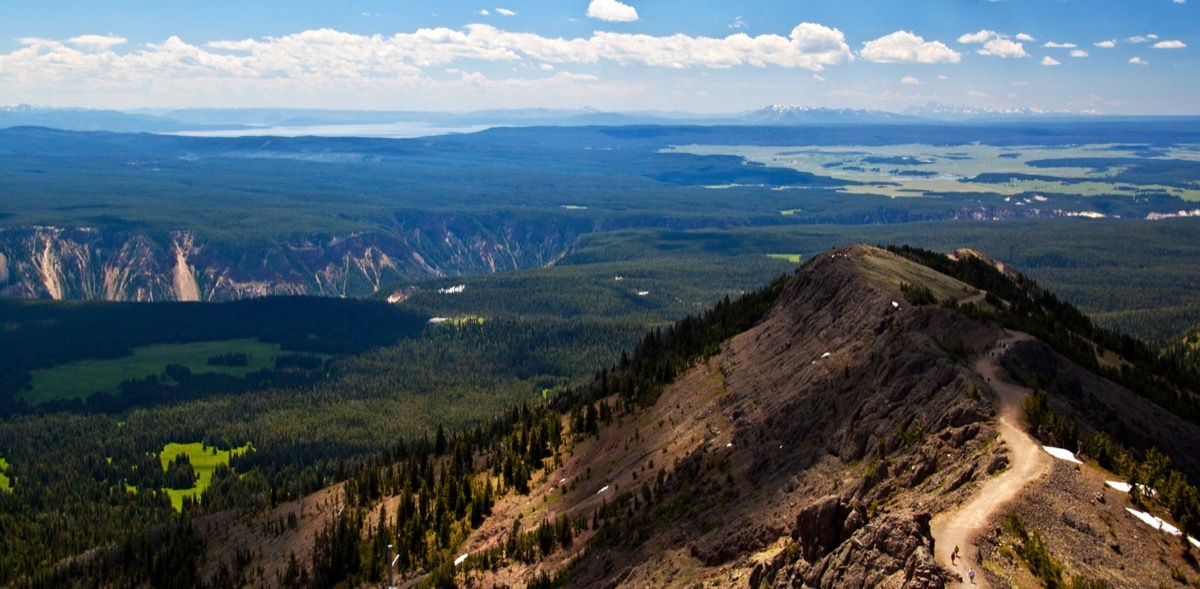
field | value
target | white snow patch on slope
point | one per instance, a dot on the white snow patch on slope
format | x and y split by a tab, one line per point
1159	524
1062	454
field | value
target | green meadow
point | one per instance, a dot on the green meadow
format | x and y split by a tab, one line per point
5	483
82	378
790	258
204	462
949	166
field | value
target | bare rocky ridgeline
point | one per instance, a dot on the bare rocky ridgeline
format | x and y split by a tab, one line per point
811	451
815	449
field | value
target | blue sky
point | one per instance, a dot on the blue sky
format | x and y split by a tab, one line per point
1109	56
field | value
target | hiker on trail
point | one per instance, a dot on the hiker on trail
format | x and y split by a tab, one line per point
953	555
971	575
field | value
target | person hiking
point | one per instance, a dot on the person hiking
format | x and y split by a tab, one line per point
971	575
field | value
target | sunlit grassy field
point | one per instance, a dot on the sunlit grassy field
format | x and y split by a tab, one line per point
5	483
204	462
944	168
80	379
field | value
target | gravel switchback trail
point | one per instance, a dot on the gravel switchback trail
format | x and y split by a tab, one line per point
1027	464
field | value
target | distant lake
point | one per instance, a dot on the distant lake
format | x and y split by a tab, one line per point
387	130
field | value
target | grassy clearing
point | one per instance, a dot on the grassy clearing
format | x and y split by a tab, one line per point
5	483
897	188
204	462
880	266
791	258
949	163
80	379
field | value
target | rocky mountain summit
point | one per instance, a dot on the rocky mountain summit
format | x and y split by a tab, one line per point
816	449
879	426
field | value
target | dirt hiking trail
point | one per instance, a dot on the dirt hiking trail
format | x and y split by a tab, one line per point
1027	463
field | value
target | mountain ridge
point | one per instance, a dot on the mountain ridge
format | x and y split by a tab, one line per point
815	433
813	450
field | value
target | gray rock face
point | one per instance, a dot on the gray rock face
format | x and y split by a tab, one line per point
127	265
894	550
821	526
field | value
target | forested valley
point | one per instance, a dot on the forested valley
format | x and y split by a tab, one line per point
448	418
490	338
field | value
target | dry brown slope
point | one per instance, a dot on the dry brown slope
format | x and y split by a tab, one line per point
814	450
811	450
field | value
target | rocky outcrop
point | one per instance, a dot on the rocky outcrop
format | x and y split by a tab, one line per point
126	265
895	550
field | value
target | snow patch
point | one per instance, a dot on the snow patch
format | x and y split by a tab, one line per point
605	488
460	559
1126	487
1062	454
436	320
1118	485
1155	522
452	289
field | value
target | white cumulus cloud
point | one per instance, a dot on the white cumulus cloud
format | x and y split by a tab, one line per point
1109	44
911	81
326	63
1003	48
1170	45
484	12
1138	61
1025	37
1053	45
995	44
1078	53
906	47
96	42
612	11
505	12
980	37
243	45
1050	61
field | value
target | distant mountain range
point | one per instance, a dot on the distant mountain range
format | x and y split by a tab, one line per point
938	110
224	121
